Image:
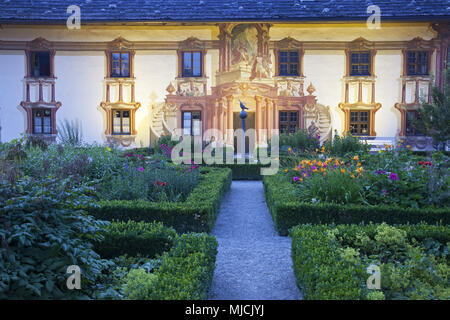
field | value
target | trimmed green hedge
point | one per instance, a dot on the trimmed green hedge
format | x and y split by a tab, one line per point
288	210
133	238
197	214
244	171
328	261
186	272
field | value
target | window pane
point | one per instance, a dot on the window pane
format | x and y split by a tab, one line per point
187	64
187	116
116	122
284	69
40	64
293	116
364	58
294	70
283	116
354	58
292	128
283	56
196	127
197	64
293	56
125	65
354	116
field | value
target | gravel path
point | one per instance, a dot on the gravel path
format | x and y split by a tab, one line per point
253	262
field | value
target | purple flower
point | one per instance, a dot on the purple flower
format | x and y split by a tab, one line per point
393	177
140	169
381	172
296	179
313	168
384	191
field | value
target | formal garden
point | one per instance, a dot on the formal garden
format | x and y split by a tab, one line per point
140	227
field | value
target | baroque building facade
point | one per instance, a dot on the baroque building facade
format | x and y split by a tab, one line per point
130	83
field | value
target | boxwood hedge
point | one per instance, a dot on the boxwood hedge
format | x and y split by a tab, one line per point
187	261
197	214
328	261
288	210
133	238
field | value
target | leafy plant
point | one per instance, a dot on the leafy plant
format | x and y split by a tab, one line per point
42	233
70	132
434	117
341	146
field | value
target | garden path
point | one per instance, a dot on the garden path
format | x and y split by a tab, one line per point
253	262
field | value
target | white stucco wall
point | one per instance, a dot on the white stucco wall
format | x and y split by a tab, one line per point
325	69
12	89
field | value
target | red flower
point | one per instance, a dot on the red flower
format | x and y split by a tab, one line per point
163	184
156	183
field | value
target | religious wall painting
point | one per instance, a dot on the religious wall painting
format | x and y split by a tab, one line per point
244	44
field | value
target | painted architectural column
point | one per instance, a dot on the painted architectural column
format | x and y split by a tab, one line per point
258	117
275	115
220	121
230	127
268	122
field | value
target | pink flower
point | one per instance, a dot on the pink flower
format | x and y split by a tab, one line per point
393	177
140	169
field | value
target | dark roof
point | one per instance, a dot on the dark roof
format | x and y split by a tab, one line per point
55	11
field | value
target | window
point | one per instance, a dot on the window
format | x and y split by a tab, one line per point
42	121
417	63
288	121
121	122
40	64
120	64
192	64
192	123
360	64
288	63
411	117
359	123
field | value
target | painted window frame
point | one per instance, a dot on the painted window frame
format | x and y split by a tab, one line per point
33	121
289	122
289	63
406	62
111	62
191	52
29	57
121	133
358	122
359	64
348	59
191	122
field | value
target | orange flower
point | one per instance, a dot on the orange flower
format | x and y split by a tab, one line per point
296	169
342	170
352	176
286	170
356	158
359	170
323	169
358	164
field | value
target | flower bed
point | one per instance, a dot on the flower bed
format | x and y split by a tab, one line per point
330	262
197	213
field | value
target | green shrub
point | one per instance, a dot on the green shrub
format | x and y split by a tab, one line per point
139	284
340	146
301	141
197	214
41	235
133	238
330	262
244	171
187	270
288	209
